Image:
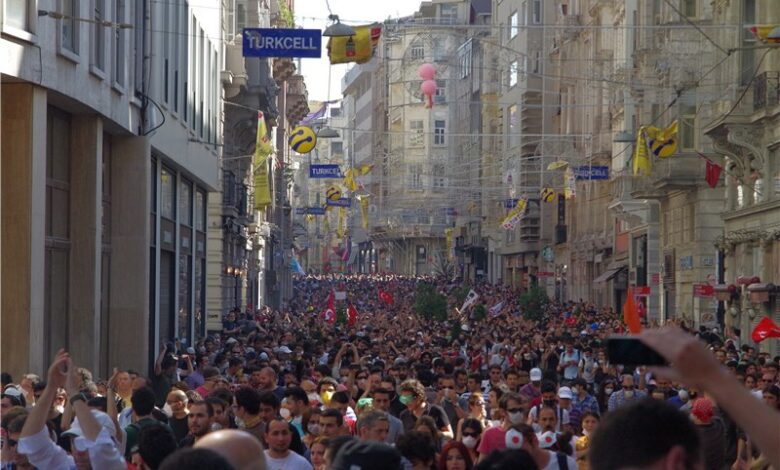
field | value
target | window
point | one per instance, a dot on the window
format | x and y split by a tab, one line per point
537	62
464	59
689	8
524	13
449	12
68	26
200	211
414	176
747	56
17	14
240	17
438	50
513	73
439	128
167	194
416	133
336	148
514	134
687	129
439	180
440	96
119	45
417	50
185	203
537	13
97	37
514	24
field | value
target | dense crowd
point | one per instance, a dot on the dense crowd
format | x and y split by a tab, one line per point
385	386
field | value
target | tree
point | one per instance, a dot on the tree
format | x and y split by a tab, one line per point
533	302
443	267
429	304
480	312
460	294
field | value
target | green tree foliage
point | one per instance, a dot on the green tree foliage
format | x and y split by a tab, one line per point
460	294
480	312
429	304
532	303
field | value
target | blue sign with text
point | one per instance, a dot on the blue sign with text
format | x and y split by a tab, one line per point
310	210
592	172
343	202
282	42
324	171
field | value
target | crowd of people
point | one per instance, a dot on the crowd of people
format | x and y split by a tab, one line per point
388	387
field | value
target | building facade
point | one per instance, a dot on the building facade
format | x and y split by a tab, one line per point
110	148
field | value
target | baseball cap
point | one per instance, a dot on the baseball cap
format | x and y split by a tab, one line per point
231	341
283	350
263	356
190	350
536	374
102	418
360	455
564	393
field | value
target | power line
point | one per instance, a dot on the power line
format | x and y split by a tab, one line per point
690	22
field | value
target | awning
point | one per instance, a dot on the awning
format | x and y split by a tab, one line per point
609	274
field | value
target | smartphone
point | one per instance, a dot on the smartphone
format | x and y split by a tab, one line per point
632	351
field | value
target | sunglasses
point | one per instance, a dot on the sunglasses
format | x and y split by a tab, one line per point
514	410
471	434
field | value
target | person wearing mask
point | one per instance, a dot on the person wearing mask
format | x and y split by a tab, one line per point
412	394
311	423
476	412
381	402
493	438
627	394
522	436
470	436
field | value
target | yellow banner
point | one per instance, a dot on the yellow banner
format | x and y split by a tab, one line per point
263	148
448	232
642	165
358	48
364	200
662	142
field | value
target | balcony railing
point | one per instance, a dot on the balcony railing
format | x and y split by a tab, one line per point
765	90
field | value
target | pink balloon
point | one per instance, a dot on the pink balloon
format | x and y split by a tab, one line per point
428	87
426	71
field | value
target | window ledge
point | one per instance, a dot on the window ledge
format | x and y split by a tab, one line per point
19	34
118	87
97	72
68	54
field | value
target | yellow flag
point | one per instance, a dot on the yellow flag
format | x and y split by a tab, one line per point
349	180
358	48
641	159
662	142
364	200
263	148
365	169
768	34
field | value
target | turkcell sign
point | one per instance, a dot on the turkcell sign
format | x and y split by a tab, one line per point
282	42
310	210
592	172
343	202
324	171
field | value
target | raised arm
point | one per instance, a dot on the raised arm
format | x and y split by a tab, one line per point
39	414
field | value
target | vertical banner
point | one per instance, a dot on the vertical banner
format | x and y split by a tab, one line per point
342	222
263	149
448	233
364	200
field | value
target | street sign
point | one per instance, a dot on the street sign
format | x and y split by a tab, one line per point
324	171
703	290
282	42
588	172
343	202
310	211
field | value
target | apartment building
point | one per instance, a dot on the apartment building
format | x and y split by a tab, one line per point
110	147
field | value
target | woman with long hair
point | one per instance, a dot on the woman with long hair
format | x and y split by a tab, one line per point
455	456
470	435
476	411
589	422
317	452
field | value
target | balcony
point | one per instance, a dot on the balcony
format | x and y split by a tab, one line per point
283	69
297	98
765	90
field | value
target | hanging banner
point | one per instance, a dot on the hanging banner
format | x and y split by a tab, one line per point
592	172
364	200
324	171
358	48
263	149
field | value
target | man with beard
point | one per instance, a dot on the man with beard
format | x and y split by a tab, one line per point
199	420
278	454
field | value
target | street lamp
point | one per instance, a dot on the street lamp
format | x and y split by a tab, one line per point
337	29
327	133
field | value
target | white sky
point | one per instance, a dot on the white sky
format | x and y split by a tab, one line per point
314	14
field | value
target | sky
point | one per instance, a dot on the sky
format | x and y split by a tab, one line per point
314	14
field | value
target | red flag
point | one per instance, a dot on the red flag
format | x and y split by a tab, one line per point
386	297
352	315
631	314
765	329
329	314
712	174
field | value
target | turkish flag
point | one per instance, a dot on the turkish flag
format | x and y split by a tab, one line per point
386	297
631	313
571	321
765	329
329	314
712	173
352	315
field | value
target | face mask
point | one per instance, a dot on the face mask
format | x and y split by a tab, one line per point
515	418
527	357
167	410
549	403
325	397
608	391
313	429
313	397
284	413
406	399
470	442
628	393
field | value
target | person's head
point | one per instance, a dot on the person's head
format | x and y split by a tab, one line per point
565	396
381	398
589	422
549	393
334	447
512	405
358	454
241	449
155	443
200	418
310	421
471	432
427	425
512	379
12	397
373	426
266	378
221	411
495	374
508	459
296	400
340	401
771	395
188	457
418	448
143	401
123	383
331	423
627	383
645	434
326	388
13	425
455	456
474	382
412	394
246	402
269	406
177	400
81	456
476	403
536	377
278	436
548	419
317	451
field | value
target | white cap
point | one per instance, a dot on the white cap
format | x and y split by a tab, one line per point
536	374
564	393
283	350
104	420
231	341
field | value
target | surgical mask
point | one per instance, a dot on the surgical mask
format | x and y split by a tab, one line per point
609	390
285	413
470	441
325	397
516	417
406	399
167	410
313	428
628	393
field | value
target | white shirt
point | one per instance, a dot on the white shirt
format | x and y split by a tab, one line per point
293	461
553	463
42	452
